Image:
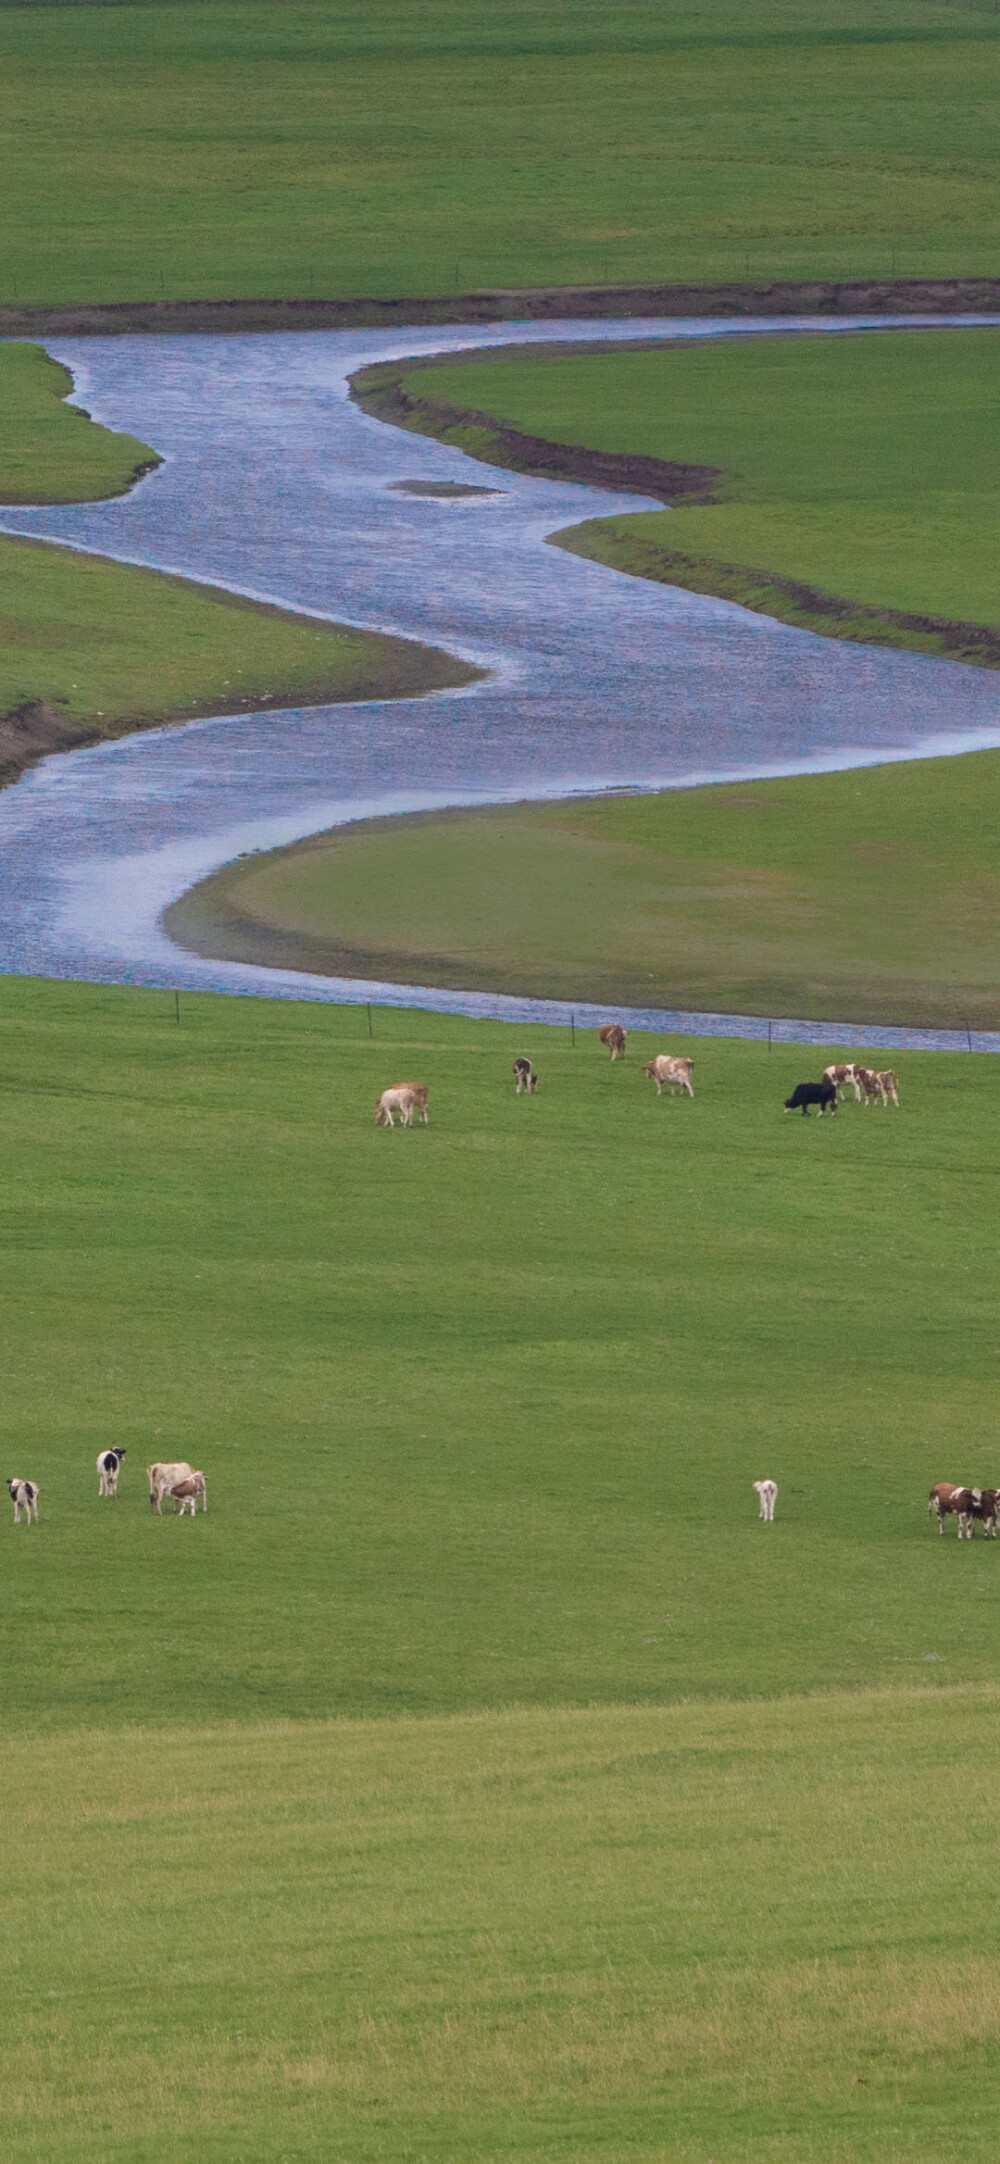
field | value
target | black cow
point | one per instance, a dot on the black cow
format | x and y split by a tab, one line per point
823	1094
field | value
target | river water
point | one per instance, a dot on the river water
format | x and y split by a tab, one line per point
275	485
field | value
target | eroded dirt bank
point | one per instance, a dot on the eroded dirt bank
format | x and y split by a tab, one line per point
882	296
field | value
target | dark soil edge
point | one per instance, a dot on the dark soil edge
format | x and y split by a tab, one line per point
860	296
788	600
34	729
380	391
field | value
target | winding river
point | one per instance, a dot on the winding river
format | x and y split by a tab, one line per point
275	485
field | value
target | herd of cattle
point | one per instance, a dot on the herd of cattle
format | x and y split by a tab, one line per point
181	1483
404	1100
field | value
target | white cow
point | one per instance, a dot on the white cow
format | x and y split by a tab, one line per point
676	1073
767	1491
162	1478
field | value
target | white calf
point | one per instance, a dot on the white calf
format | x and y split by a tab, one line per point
24	1496
767	1491
405	1098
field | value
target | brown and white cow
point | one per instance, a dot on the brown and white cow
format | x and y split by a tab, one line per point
187	1492
870	1084
613	1036
403	1098
984	1506
843	1079
24	1496
960	1503
889	1086
676	1073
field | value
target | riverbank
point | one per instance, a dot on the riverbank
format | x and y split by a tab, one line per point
504	304
842	486
97	649
871	893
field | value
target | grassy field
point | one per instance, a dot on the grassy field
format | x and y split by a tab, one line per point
45	455
480	1405
864	466
449	1384
106	648
192	150
867	896
611	1935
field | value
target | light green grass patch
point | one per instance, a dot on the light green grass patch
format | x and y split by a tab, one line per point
244	150
867	896
743	1932
480	1404
862	465
51	452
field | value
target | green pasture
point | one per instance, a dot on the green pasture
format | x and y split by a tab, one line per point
45	454
190	150
480	1403
866	896
478	1777
863	465
115	648
760	1936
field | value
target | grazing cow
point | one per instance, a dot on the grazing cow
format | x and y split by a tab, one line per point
108	1464
613	1035
187	1492
525	1077
843	1079
405	1098
870	1085
948	1501
162	1478
24	1496
676	1073
888	1086
767	1491
805	1094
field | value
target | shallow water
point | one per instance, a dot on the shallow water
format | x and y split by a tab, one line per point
275	485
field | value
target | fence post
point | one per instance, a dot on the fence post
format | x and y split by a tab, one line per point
968	1033
572	1032
769	1036
177	1005
371	1032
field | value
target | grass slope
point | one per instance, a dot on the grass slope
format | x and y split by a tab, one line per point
92	648
449	1385
611	1935
45	456
872	895
863	468
241	149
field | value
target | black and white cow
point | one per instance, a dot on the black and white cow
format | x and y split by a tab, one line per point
108	1464
525	1077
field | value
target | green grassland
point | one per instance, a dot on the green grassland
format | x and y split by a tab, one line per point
260	150
863	466
610	1935
104	648
867	896
45	455
480	1405
447	1383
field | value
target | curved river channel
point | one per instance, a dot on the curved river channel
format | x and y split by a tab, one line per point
277	486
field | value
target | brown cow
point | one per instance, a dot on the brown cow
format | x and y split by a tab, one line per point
613	1035
889	1086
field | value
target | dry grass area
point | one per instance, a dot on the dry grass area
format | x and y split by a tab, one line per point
726	1931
